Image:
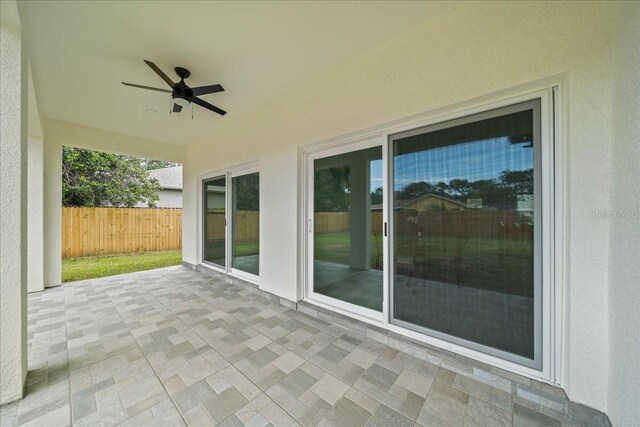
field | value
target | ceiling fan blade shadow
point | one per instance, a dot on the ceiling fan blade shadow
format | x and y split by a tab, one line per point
208	106
177	108
204	90
159	72
147	87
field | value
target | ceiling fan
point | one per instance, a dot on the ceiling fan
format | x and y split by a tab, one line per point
181	94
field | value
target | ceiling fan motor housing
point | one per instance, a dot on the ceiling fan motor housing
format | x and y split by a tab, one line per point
183	73
182	94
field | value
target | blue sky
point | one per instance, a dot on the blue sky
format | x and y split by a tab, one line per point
484	159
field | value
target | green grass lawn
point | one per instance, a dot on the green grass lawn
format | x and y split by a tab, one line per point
107	265
503	265
334	247
214	249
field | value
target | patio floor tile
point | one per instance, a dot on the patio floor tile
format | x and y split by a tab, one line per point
173	347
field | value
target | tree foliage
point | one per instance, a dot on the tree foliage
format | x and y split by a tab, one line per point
151	164
498	193
247	192
94	179
332	189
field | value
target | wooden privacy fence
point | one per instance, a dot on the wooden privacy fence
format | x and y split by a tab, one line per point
484	224
247	225
502	224
97	231
331	222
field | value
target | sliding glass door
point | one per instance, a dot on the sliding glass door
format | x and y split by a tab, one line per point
466	231
245	241
214	221
232	242
347	251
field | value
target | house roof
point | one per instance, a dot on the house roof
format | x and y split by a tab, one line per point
169	178
404	204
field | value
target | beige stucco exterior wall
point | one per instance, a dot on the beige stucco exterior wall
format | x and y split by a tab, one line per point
13	209
475	49
35	217
624	250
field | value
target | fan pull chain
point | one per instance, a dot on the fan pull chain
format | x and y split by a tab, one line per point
170	105
192	111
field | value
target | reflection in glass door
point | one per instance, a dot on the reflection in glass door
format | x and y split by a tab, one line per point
465	231
347	231
214	204
245	240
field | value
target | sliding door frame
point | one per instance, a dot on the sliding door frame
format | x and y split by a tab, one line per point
234	271
362	313
553	114
228	174
539	128
550	354
203	185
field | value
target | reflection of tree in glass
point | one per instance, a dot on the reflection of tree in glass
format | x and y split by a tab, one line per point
332	189
247	192
498	193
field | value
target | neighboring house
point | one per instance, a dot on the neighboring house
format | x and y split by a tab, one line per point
431	202
428	202
215	198
170	180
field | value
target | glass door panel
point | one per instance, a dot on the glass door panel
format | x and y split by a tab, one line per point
246	223
214	202
347	233
465	225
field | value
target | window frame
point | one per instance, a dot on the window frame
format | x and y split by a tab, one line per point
534	104
359	312
234	271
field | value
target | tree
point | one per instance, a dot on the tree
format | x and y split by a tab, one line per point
150	164
247	192
94	179
376	196
332	189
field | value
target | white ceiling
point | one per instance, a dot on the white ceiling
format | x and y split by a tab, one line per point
258	51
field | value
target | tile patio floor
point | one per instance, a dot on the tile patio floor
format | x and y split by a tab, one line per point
174	347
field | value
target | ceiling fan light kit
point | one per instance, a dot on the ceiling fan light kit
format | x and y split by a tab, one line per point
181	94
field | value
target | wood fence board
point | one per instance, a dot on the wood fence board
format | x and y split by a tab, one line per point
96	231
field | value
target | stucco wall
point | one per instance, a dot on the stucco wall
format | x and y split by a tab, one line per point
13	210
624	250
35	276
474	49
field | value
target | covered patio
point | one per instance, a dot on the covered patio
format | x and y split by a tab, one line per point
175	346
414	213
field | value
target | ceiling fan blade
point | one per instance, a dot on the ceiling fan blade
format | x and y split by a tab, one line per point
146	87
204	90
208	106
177	108
159	72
